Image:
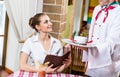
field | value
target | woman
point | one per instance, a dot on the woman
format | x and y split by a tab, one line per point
41	44
104	59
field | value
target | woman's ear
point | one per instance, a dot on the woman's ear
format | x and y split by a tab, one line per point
38	27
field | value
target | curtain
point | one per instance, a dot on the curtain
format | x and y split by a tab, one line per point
19	12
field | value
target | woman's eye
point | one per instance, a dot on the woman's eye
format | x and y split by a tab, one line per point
46	21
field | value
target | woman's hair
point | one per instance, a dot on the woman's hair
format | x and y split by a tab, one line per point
33	21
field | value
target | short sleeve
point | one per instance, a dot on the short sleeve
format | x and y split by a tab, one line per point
60	48
26	46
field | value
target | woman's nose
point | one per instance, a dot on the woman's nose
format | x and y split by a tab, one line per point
50	22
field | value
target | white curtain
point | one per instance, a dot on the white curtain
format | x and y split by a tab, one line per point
19	12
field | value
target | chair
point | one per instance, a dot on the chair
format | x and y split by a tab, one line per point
77	64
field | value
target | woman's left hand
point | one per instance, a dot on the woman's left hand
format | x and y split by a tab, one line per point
66	63
61	68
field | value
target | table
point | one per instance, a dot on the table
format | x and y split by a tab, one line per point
22	73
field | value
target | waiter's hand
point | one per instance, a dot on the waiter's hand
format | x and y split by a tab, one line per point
84	48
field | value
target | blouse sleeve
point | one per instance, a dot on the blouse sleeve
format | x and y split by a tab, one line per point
26	47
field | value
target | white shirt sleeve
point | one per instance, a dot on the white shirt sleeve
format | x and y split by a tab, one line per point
26	47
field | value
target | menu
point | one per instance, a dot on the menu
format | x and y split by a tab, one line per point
56	60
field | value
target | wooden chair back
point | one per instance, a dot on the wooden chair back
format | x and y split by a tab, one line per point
77	64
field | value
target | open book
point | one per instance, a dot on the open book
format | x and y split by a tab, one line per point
56	60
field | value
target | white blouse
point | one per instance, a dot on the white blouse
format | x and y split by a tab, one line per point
36	51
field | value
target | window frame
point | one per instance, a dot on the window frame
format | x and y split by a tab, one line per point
5	36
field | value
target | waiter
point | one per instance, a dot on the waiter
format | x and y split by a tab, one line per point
104	59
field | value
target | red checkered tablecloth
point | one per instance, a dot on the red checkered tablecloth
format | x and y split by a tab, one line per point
31	74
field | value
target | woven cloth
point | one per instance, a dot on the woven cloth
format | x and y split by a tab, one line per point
31	74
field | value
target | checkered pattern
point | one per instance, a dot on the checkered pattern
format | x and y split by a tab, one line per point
31	74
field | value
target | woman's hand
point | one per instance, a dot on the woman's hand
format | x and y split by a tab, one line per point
61	68
49	69
67	62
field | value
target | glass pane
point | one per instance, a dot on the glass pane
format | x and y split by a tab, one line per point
2	17
1	49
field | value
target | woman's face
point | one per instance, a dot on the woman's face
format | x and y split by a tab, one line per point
103	2
45	24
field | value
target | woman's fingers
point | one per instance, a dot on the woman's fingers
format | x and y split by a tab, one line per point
51	66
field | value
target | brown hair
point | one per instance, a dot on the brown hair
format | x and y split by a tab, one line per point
33	21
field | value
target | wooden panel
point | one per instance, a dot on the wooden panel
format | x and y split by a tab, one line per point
77	64
8	70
